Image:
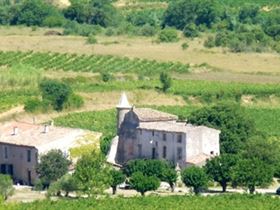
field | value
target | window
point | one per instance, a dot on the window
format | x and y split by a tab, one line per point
28	155
179	138
164	152
153	133
139	150
179	153
6	152
164	137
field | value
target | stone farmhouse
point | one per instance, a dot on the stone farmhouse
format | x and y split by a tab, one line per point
21	144
145	133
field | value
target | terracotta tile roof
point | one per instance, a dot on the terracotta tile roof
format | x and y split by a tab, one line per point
151	115
34	135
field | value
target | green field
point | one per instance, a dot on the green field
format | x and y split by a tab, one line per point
222	202
89	63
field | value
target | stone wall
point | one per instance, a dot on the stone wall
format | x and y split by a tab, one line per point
17	157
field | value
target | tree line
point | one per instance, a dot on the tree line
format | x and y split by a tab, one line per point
246	27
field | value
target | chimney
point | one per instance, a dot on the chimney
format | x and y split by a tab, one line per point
46	128
15	131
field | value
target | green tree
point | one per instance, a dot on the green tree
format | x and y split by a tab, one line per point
33	12
220	169
142	183
266	150
117	177
195	177
170	176
252	173
166	81
57	93
68	184
92	174
52	166
97	12
158	168
6	186
236	127
168	35
183	12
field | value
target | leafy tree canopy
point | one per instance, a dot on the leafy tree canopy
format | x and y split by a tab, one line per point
97	12
236	127
52	166
117	177
183	12
142	183
220	168
56	92
92	174
252	173
195	177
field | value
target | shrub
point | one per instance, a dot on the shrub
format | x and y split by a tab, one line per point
147	30
91	39
195	177
168	35
185	46
190	30
210	42
166	81
74	102
32	105
143	183
57	93
54	21
106	76
6	186
110	31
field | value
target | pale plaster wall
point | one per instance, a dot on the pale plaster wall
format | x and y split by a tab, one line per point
148	141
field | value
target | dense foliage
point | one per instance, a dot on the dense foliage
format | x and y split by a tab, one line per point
117	177
158	168
195	177
92	174
142	183
53	165
220	169
235	126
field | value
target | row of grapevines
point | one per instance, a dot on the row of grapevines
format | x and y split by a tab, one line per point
90	63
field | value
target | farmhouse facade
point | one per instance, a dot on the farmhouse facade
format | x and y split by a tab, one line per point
21	145
145	133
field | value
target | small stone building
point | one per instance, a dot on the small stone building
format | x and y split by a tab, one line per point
21	144
151	134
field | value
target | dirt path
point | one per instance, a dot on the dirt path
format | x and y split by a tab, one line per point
12	112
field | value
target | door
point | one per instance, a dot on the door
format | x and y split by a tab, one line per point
29	177
3	169
11	170
153	153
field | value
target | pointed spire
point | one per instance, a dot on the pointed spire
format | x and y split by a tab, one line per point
123	103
